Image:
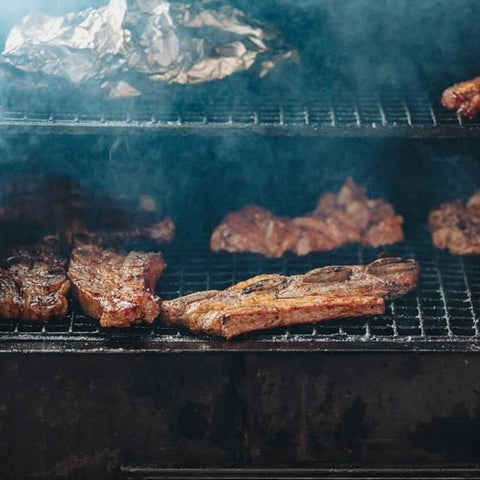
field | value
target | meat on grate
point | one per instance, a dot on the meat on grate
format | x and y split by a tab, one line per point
348	216
268	301
456	226
115	288
33	282
464	97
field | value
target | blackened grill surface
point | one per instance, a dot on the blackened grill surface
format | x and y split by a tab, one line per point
442	315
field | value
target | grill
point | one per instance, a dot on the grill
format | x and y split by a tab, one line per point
378	112
443	315
394	396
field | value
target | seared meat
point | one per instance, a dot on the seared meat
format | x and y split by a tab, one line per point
160	232
33	283
118	289
457	227
268	301
255	229
41	201
61	205
348	216
463	97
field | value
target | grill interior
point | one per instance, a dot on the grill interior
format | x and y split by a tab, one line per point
445	307
374	78
382	76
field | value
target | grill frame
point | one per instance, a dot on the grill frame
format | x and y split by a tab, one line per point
130	472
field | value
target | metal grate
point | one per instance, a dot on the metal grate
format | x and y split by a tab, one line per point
442	315
385	112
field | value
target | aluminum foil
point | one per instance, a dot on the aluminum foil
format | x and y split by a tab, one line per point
163	41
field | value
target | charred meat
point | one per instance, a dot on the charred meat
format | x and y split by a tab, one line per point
349	216
456	226
117	289
41	201
269	301
160	232
463	97
60	204
33	283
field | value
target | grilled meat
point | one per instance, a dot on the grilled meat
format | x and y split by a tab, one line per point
255	229
348	216
60	204
117	289
33	282
160	232
463	97
457	227
40	201
268	301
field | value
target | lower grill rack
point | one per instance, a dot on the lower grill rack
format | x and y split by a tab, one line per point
442	315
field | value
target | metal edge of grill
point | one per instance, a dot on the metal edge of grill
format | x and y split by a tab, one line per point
152	473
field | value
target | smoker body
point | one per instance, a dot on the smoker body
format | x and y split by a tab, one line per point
393	396
78	415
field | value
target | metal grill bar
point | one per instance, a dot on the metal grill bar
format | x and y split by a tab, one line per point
152	473
442	315
386	112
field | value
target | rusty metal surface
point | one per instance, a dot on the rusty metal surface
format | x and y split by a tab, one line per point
86	415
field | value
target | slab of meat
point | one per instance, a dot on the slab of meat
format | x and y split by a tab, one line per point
33	283
117	289
463	97
61	205
269	301
348	216
457	227
78	233
40	201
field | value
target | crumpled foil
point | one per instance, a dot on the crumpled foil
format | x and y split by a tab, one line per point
163	41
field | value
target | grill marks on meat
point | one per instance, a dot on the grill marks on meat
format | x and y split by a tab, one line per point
268	301
33	283
348	216
463	97
117	289
457	227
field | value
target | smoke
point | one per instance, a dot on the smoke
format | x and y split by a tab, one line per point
350	46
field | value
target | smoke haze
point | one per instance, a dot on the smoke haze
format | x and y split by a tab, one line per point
350	46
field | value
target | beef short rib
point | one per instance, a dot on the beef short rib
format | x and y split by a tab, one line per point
457	227
348	216
115	288
268	301
33	282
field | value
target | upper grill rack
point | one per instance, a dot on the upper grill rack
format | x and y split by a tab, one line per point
386	112
443	315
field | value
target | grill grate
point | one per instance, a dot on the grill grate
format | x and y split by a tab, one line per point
442	315
383	112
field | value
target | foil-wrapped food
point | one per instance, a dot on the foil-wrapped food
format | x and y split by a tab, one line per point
120	44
